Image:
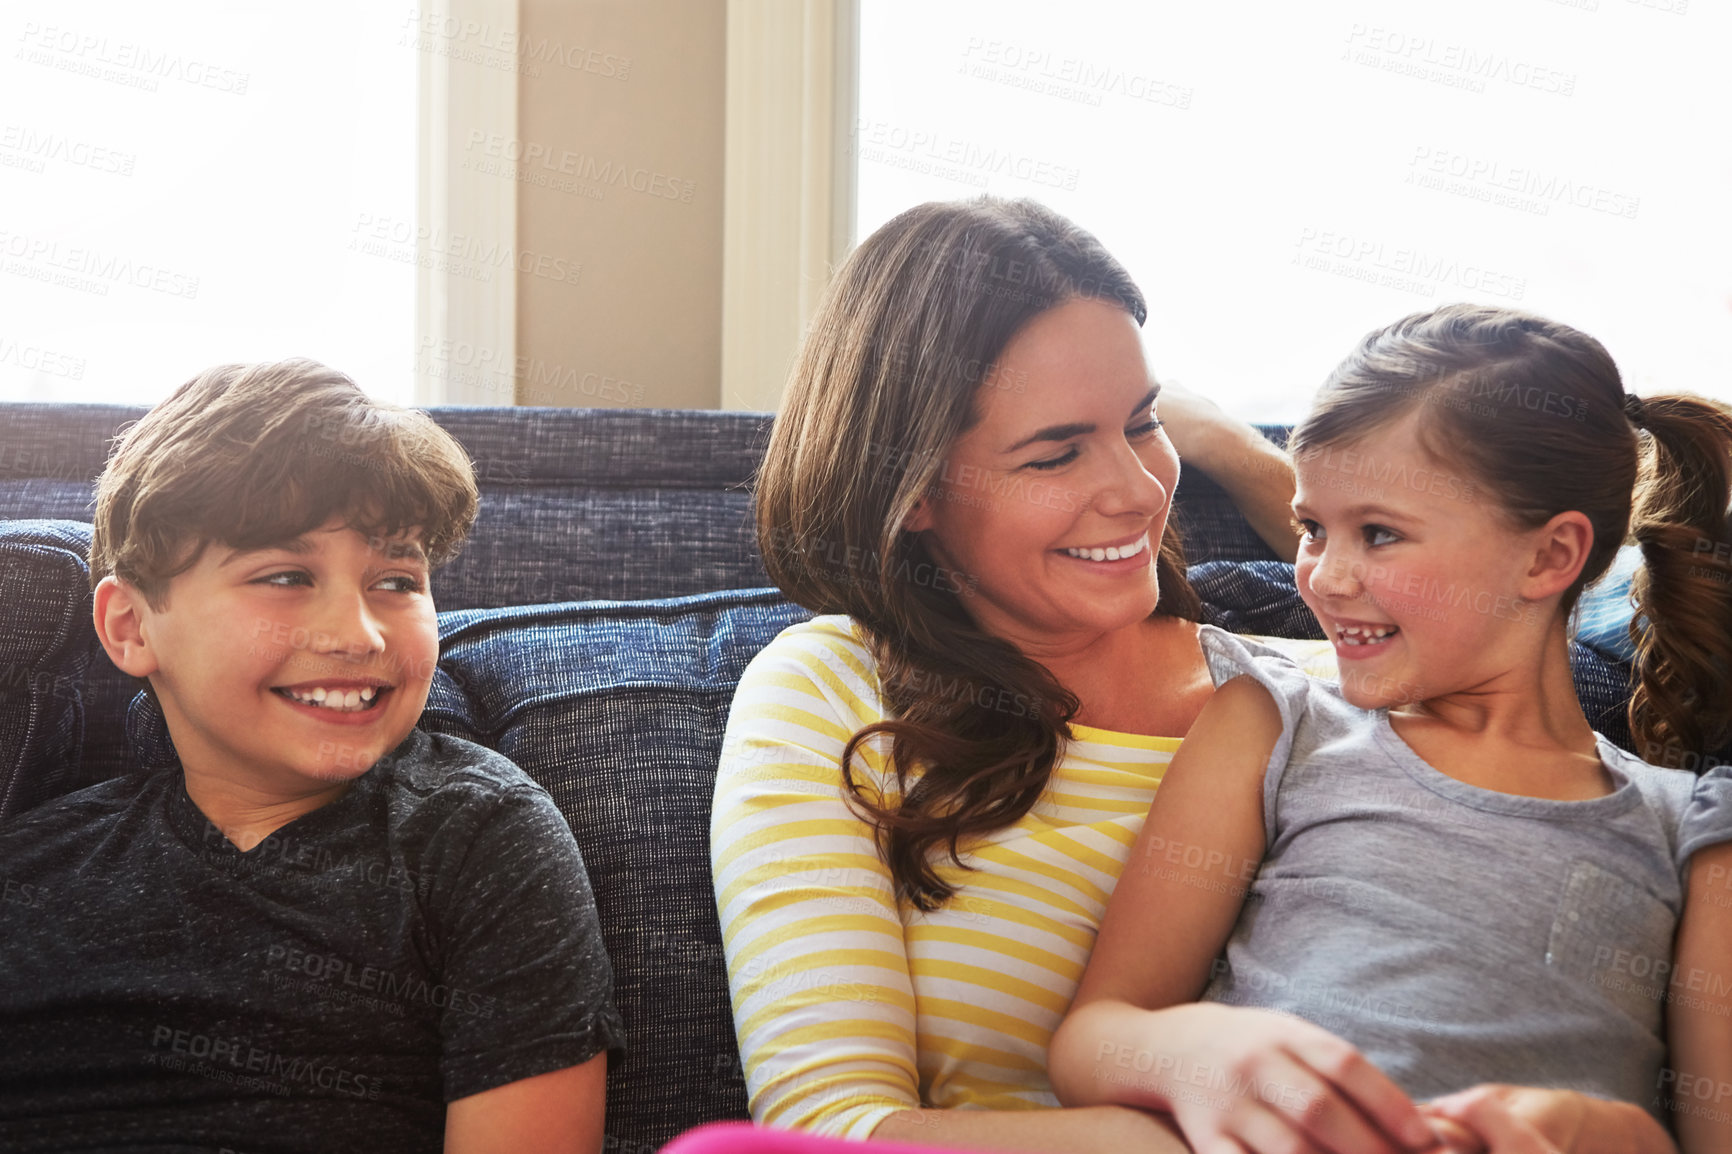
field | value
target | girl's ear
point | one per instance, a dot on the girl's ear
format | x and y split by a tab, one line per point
1563	546
119	618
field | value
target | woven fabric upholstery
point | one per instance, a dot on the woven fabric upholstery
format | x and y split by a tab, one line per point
1253	597
1211	526
45	647
618	710
576	504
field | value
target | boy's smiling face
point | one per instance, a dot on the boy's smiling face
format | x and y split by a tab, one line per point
290	670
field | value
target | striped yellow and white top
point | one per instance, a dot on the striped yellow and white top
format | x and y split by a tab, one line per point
849	1004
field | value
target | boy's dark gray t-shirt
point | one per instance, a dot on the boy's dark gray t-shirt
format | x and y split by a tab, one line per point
1453	934
429	935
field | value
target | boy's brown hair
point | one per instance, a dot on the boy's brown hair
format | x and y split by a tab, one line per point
255	455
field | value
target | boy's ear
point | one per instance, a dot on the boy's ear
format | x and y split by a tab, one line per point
119	617
1563	546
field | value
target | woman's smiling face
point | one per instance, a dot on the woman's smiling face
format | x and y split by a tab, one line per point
1052	505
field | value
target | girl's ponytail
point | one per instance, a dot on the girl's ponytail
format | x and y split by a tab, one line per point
1681	707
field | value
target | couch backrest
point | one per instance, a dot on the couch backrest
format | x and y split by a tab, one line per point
576	504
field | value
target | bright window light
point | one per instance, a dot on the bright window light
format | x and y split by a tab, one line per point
1282	178
184	185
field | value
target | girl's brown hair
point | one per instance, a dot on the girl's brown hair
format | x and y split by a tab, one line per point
255	455
1536	411
907	334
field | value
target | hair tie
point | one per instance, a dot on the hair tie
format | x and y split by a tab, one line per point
1636	410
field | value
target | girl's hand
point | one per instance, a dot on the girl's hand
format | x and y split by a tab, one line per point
1572	1122
1503	1119
1255	1080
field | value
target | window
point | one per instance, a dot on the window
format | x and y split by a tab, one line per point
1281	179
192	184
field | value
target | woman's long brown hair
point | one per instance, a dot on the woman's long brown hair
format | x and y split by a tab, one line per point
1537	411
909	331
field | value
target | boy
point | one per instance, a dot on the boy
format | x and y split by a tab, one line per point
330	930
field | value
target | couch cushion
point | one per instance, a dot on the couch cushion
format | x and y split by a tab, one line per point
44	651
618	709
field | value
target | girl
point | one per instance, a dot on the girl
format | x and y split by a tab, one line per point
1458	876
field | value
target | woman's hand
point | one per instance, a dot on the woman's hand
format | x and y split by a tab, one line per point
1561	1120
1240	1079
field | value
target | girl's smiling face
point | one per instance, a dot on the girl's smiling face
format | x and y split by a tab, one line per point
1413	570
1052	505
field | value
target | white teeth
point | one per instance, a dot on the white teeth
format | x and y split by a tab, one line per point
1366	634
1110	552
344	701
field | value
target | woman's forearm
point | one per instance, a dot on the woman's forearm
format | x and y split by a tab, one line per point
1084	1129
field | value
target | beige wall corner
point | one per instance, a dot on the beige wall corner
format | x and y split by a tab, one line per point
617	163
789	200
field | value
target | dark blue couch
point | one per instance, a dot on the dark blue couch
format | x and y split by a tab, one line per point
592	630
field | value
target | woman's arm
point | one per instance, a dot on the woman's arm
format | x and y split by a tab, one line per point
817	963
1697	1080
1254	471
1231	1077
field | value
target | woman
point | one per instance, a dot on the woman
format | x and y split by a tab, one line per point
969	481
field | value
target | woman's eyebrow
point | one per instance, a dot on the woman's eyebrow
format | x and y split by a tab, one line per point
1079	428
